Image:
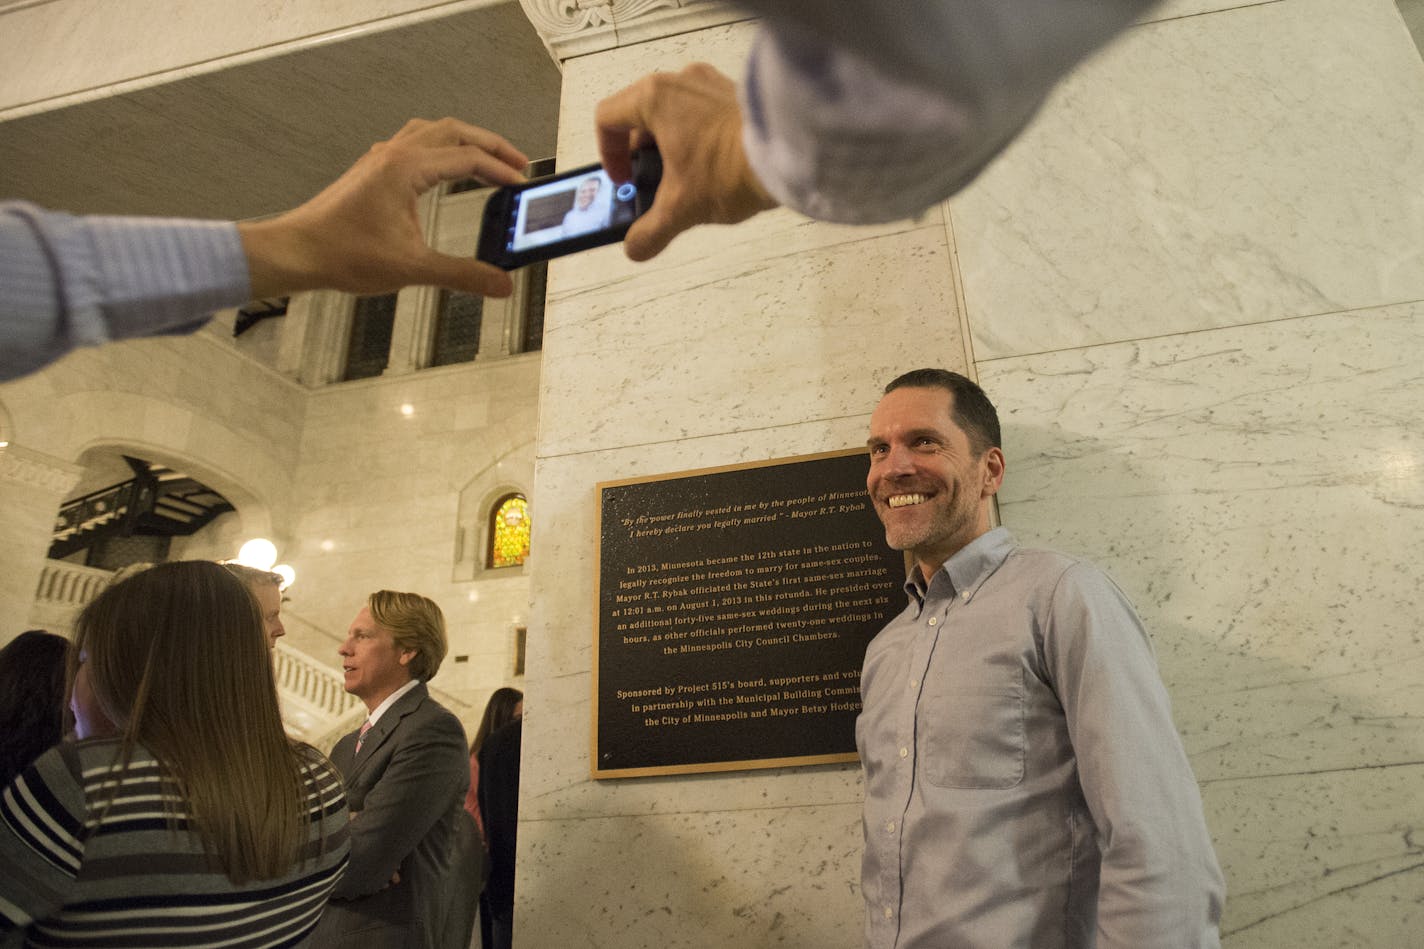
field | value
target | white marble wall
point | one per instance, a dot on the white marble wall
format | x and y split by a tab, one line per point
376	498
187	402
1222	409
738	344
1192	290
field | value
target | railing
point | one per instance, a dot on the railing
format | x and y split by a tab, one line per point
70	584
314	683
96	506
348	723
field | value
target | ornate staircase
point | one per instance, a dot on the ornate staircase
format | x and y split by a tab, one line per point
156	501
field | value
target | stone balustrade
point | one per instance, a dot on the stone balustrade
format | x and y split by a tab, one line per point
70	584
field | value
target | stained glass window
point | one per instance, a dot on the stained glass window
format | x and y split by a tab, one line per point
509	532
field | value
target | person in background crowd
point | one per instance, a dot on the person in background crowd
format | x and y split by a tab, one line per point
504	705
499	803
415	855
266	588
183	815
31	699
124	572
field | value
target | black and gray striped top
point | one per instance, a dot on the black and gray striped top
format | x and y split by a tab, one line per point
77	874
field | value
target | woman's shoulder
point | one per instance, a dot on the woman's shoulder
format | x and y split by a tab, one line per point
323	780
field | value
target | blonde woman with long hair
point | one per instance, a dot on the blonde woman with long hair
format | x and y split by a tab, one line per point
183	815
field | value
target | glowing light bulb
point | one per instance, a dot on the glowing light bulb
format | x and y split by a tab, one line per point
259	552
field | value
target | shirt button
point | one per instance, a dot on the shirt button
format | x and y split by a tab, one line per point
889	912
965	594
904	752
934	620
914	683
890	827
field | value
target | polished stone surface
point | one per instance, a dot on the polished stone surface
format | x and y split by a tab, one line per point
1247	165
1197	314
1259	492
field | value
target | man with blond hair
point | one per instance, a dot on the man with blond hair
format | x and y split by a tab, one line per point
413	879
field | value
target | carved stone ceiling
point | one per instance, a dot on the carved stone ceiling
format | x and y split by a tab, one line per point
259	137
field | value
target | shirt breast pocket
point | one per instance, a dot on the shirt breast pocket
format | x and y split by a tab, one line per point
973	737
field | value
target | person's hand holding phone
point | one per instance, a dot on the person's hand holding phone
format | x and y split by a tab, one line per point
694	118
362	234
565	213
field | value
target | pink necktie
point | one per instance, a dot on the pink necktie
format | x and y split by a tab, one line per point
365	727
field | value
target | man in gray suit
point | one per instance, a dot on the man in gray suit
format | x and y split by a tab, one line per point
414	875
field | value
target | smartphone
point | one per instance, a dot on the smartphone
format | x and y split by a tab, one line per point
564	213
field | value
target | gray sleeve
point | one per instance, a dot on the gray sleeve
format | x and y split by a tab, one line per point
68	281
1160	883
861	113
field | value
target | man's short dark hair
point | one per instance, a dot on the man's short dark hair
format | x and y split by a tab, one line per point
971	409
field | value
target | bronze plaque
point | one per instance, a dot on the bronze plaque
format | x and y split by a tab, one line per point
734	608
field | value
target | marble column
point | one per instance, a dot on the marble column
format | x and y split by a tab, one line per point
1192	287
741	344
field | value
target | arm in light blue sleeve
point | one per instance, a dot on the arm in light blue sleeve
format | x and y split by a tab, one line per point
1160	886
68	281
871	112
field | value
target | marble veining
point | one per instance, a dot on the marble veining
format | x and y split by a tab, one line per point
1253	164
780	337
1259	492
1191	290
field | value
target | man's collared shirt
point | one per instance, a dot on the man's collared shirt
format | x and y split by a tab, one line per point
391	699
1024	783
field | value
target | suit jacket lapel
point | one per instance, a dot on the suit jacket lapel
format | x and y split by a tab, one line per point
383	728
342	754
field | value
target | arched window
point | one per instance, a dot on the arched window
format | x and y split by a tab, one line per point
509	531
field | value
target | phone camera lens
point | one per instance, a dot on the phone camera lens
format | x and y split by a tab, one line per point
626	191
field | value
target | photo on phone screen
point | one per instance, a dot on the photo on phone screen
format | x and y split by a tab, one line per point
568	212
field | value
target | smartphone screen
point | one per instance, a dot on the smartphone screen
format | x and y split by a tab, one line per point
568	212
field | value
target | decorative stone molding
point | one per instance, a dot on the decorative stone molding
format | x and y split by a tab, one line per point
25	466
578	27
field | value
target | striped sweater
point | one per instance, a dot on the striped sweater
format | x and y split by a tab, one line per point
73	873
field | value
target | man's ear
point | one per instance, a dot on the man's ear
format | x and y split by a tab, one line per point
993	472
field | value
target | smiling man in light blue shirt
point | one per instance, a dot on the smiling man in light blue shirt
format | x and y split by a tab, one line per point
1024	783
